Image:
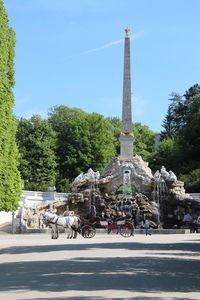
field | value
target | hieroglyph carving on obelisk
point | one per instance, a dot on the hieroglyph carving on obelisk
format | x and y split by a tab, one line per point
126	138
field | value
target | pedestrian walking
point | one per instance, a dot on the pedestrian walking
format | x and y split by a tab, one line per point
147	226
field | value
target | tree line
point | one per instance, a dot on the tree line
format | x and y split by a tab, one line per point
180	146
55	150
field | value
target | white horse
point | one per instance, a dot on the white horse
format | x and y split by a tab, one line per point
73	223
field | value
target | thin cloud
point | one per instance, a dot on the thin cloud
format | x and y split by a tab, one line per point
104	46
114	43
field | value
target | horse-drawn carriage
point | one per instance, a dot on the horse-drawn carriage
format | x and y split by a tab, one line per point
87	230
121	226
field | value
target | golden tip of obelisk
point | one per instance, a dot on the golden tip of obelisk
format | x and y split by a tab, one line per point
127	31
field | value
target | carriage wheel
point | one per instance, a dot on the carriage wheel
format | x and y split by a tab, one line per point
88	231
127	229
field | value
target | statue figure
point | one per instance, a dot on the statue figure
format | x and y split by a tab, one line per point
78	179
172	176
139	157
127	31
164	173
96	175
90	175
157	175
169	176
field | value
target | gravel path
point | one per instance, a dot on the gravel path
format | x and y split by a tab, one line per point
142	267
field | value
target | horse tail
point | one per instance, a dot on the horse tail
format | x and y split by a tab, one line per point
79	221
78	224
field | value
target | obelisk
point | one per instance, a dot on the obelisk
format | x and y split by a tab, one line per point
126	139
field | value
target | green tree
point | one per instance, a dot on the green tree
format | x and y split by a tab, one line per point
116	124
181	151
73	148
101	141
36	142
167	154
83	141
144	140
189	138
176	117
192	180
192	92
189	141
10	181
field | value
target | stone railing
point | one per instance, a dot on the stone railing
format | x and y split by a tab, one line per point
195	196
43	196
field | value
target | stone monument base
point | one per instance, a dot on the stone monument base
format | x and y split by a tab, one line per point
126	147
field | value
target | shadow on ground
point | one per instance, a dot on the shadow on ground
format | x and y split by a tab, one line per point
139	274
102	298
189	248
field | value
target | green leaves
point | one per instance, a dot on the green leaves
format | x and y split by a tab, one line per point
144	140
192	180
36	141
101	141
180	148
10	181
167	154
72	142
83	141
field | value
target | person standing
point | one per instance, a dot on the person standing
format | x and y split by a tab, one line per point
147	226
194	226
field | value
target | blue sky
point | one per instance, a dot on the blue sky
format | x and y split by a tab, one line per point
71	52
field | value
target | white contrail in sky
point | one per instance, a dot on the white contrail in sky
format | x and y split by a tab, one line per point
108	45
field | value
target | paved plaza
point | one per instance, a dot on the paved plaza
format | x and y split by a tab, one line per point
33	266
